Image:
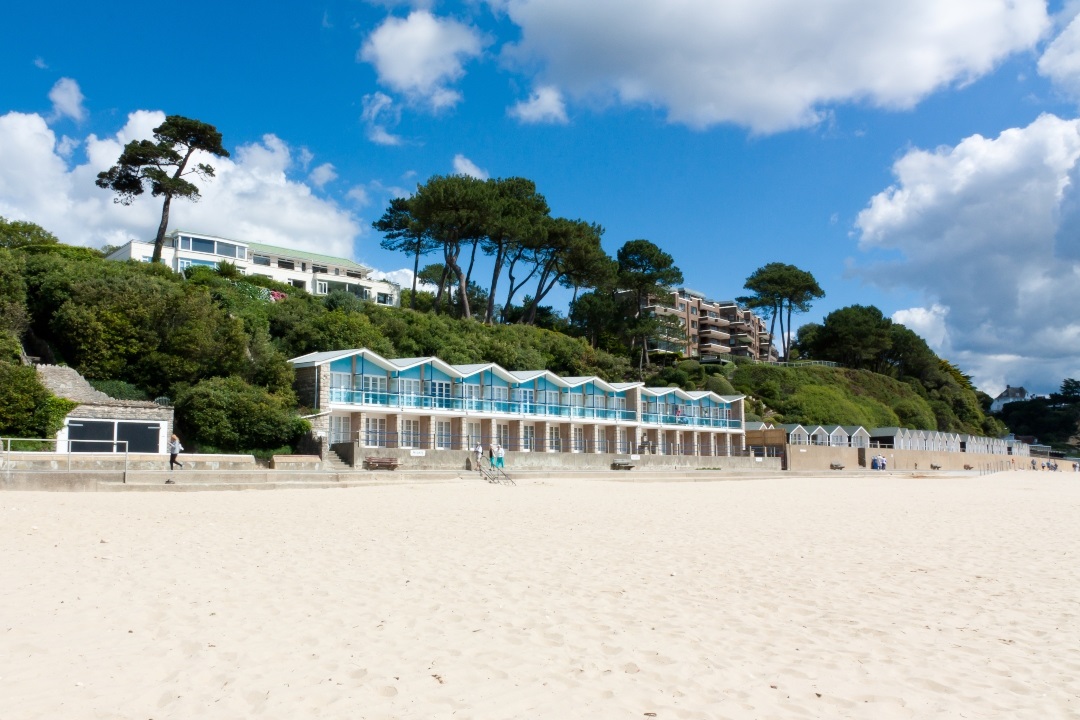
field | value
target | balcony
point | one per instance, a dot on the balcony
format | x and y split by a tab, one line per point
714	333
709	348
404	402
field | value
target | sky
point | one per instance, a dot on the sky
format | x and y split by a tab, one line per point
919	156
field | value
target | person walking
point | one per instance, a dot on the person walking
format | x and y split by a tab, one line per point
175	448
500	454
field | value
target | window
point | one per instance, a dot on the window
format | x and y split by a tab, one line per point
339	387
441	391
340	429
202	246
286	264
472	431
410	387
499	393
693	310
528	438
579	439
502	431
384	299
186	263
318	268
298	284
354	274
229	250
471	391
693	324
410	434
260	260
554	442
321	287
443	438
374	432
373	383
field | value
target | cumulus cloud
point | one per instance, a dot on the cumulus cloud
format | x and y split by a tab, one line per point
67	100
1061	60
465	166
545	105
379	113
989	232
322	175
252	197
421	55
766	65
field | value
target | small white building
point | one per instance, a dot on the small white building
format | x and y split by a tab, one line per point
312	272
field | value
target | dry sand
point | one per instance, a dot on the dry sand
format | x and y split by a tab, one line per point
774	598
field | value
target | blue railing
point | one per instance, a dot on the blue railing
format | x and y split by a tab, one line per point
406	401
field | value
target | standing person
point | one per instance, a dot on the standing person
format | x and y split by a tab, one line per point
175	448
491	456
499	455
479	452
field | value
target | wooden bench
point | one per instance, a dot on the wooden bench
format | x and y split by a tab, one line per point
381	463
836	466
934	467
622	465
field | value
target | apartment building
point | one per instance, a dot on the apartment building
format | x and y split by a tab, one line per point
315	273
425	403
711	329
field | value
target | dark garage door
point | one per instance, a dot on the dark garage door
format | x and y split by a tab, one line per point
141	437
91	430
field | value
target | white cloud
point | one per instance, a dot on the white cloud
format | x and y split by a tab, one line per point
40	63
545	105
67	100
1061	60
421	55
989	233
465	166
380	112
359	195
927	323
769	65
322	175
252	197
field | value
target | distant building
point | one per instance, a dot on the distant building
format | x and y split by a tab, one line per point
1008	395
712	329
315	273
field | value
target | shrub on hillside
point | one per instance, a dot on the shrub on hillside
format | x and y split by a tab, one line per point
231	415
27	408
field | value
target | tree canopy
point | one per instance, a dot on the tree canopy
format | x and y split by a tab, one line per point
162	164
780	288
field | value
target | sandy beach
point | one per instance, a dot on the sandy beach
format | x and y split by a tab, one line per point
769	598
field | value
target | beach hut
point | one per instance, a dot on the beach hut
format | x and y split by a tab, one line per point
838	436
858	437
796	434
818	435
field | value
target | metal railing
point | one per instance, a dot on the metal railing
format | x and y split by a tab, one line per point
369	440
521	408
25	449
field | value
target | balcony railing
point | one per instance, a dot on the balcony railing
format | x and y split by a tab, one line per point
409	401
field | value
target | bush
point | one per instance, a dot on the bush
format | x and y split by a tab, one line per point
27	408
119	389
231	415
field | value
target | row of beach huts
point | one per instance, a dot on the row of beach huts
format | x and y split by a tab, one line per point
897	438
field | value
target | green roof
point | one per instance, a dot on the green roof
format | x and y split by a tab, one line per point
302	255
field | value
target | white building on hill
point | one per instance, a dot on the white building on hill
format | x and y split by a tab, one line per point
315	273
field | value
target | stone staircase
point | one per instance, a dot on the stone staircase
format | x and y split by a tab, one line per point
333	463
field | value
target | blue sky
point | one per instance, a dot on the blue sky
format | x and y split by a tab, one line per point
917	156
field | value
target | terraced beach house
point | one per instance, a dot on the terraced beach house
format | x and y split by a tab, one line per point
357	396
